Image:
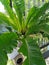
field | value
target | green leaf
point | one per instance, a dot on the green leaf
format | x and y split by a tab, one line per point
6	4
19	6
34	53
31	14
33	30
24	50
44	19
39	13
8	41
31	49
40	27
5	19
3	58
10	12
45	28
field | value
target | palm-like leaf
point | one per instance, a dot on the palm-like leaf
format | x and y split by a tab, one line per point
7	42
11	13
3	58
31	14
19	6
45	28
40	27
33	24
34	19
32	52
5	19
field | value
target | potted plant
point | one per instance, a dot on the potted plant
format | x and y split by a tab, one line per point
23	30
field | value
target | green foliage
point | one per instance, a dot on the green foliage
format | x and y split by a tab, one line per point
31	13
38	13
7	42
19	6
35	21
45	28
8	20
3	58
32	51
10	12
